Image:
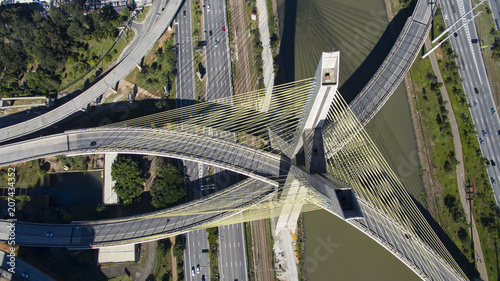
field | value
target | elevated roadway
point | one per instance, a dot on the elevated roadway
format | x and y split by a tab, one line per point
110	80
399	60
241	159
142	228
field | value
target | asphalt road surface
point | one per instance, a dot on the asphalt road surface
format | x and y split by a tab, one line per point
476	86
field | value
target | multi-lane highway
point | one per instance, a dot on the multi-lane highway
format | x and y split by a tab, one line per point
231	240
196	259
185	72
476	86
233	264
217	50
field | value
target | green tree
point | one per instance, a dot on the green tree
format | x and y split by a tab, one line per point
167	188
128	176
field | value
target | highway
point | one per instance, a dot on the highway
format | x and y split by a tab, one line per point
231	238
196	255
217	54
233	264
185	72
476	87
119	72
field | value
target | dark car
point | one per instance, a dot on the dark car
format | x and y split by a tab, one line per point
184	13
476	91
493	163
210	33
493	180
485	134
481	140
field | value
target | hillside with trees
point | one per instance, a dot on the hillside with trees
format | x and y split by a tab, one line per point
38	51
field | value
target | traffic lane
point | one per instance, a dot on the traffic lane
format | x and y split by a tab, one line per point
233	252
467	64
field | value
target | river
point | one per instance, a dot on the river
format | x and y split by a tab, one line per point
353	27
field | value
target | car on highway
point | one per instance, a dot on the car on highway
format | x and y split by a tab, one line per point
203	278
208	8
493	163
210	33
476	91
192	271
493	111
215	43
445	15
485	134
499	132
481	140
223	29
198	269
493	180
49	234
184	13
475	103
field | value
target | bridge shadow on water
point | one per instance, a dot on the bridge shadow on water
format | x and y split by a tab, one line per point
357	81
462	260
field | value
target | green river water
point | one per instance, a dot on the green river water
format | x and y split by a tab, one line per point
334	249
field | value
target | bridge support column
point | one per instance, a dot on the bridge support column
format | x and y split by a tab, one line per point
292	207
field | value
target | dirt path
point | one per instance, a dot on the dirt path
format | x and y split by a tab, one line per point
481	267
262	251
174	261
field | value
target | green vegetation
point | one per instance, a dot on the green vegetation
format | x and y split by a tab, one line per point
163	269
249	251
78	163
37	52
142	15
196	21
161	71
179	257
28	174
439	142
129	180
213	252
255	46
167	189
123	277
273	33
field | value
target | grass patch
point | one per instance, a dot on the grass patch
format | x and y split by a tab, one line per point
101	55
450	213
163	270
27	174
249	251
142	15
213	253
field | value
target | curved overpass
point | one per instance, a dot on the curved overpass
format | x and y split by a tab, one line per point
390	74
90	95
142	228
264	166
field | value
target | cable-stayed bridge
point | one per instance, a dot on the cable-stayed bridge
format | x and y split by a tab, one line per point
301	148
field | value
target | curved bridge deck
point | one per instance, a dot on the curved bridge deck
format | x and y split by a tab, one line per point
390	74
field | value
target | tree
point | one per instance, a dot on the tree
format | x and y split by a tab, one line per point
128	176
167	188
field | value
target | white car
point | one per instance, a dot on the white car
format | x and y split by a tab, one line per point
192	271
445	15
215	43
208	8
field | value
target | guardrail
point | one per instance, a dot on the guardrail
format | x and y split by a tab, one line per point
361	113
